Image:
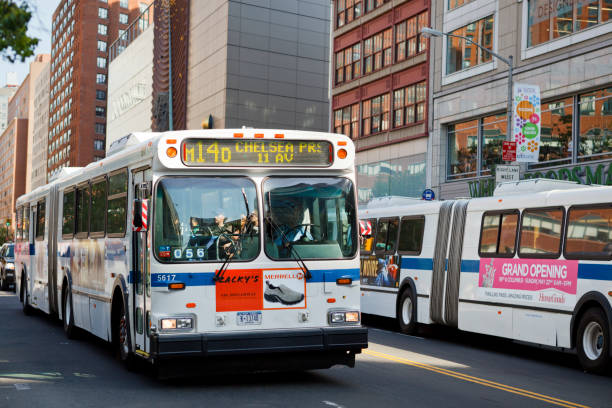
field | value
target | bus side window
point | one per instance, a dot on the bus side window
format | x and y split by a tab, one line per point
498	234
541	233
116	210
82	212
386	239
411	235
19	226
40	220
589	232
68	215
26	223
98	208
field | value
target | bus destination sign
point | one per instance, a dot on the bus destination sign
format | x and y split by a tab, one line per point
260	153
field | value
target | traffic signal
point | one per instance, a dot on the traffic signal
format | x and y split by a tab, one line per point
8	222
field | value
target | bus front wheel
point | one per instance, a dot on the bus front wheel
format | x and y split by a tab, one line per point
406	312
122	338
593	341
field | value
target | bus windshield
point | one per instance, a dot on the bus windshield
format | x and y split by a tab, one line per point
314	217
199	219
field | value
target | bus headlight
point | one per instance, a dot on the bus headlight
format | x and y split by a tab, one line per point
177	323
344	316
10	265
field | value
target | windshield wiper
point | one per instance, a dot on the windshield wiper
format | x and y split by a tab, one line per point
288	244
235	247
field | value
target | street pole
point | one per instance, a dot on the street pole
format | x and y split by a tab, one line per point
509	131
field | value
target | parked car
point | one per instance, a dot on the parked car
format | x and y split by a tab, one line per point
7	267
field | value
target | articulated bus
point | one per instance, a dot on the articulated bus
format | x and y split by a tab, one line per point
208	243
532	263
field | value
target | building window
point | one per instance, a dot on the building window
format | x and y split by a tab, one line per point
100	78
99	144
102	29
123	18
101	46
377	51
545	23
100	111
100	95
373	4
376	114
347	11
102	12
348	64
346	121
123	3
556	133
100	128
494	129
452	4
408	38
463	149
409	104
595	138
461	54
101	62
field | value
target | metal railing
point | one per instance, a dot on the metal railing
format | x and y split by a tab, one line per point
137	27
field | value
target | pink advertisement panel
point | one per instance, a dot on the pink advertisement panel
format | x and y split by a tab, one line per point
529	274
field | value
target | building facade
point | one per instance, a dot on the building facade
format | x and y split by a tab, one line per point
38	126
81	34
380	84
563	47
13	158
237	62
6	93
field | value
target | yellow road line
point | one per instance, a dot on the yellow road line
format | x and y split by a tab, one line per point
477	380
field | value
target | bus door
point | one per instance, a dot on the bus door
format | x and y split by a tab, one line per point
141	290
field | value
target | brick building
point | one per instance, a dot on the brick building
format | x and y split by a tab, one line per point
379	92
81	34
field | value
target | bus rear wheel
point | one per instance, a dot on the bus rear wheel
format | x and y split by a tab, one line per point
593	341
68	314
406	312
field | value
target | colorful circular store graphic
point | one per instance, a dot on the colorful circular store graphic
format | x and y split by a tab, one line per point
527	121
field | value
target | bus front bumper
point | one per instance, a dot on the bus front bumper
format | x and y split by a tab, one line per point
328	340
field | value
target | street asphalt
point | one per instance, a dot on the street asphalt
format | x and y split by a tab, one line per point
439	367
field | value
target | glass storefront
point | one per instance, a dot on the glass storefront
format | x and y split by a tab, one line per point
404	176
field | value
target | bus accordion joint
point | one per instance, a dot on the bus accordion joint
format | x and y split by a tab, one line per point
176	286
344	281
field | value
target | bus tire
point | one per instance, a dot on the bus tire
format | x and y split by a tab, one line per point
406	312
121	333
68	313
593	341
27	309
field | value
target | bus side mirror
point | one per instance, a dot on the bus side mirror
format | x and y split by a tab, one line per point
140	217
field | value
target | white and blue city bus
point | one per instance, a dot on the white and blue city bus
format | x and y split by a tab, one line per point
212	243
533	263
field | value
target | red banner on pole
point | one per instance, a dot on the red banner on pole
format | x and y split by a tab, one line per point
509	151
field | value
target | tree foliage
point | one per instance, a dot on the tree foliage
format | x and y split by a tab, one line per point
14	41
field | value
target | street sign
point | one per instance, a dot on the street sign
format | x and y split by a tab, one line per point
509	151
507	172
428	194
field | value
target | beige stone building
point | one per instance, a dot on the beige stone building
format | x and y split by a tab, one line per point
565	49
38	122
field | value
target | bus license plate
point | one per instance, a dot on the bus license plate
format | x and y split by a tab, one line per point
244	318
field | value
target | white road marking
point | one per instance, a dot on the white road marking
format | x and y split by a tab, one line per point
22	386
83	375
332	404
